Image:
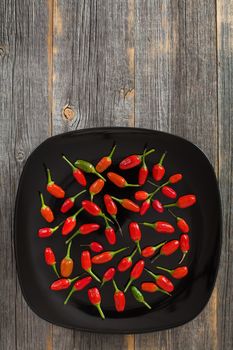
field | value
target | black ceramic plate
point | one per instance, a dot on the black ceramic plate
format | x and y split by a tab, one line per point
191	293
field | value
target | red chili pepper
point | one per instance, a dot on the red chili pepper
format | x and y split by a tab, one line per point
133	160
141	195
175	178
168	249
157	205
106	256
119	180
127	204
168	192
160	226
135	273
126	262
105	162
87	265
70	223
108	275
94	246
144	207
119	298
79	285
149	251
183	202
151	287
135	234
142	175
162	281
62	283
53	188
50	259
110	205
48	231
77	173
178	273
45	210
91	208
96	187
181	223
95	298
110	235
184	246
67	263
85	229
112	209
158	169
69	202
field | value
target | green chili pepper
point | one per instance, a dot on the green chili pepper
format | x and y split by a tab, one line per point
87	167
139	297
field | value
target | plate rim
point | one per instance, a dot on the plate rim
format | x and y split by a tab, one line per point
121	331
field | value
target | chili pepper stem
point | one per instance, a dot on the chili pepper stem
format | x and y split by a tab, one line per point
112	151
164	292
152	183
148	152
102	283
138	247
67	160
150	273
93	275
42	199
162	158
100	311
146	304
162	268
118	225
69	295
55	270
132	185
155	258
119	250
68	250
114	285
128	285
92	196
184	255
99	175
134	252
157	190
148	224
78	194
72	237
172	213
169	205
49	176
105	217
77	212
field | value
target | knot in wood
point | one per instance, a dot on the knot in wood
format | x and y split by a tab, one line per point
68	113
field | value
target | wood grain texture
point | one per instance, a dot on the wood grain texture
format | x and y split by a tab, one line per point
24	125
161	64
176	58
225	108
92	85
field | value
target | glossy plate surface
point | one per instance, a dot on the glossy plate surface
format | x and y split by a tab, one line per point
191	294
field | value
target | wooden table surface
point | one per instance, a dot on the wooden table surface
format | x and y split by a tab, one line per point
71	64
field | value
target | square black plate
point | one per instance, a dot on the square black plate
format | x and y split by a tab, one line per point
191	294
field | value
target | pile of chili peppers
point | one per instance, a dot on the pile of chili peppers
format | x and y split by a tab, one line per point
135	258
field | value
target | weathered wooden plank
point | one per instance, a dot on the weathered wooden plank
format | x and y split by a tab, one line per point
93	70
24	124
225	112
176	91
93	85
